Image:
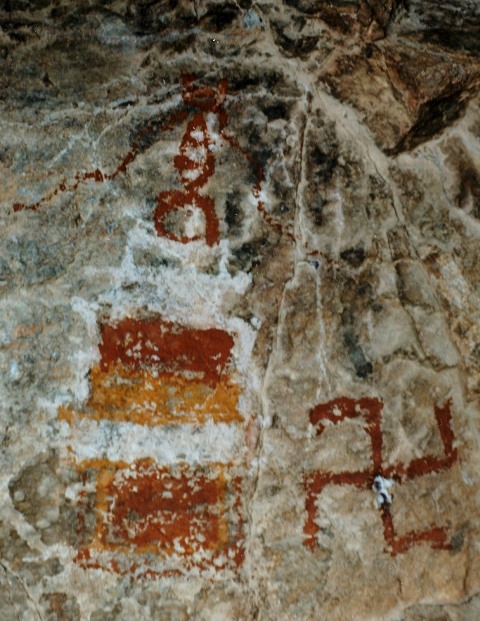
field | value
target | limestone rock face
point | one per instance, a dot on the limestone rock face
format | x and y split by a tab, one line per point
240	310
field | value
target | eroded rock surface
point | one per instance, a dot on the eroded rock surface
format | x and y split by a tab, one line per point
240	310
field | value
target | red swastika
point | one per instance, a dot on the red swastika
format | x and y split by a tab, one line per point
195	163
371	410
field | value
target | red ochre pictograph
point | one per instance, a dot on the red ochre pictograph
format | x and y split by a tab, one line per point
98	175
156	521
153	519
195	164
153	372
371	410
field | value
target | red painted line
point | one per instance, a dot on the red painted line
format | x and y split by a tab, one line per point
97	175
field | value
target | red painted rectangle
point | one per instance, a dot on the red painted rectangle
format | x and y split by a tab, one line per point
153	343
157	510
156	519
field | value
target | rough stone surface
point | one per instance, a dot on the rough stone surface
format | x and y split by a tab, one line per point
240	310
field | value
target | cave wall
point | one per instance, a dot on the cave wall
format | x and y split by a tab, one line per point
240	306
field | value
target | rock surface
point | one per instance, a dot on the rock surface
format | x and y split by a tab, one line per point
240	310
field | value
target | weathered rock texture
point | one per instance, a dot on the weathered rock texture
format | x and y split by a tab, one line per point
240	310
